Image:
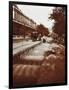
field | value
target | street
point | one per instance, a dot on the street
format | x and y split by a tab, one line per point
39	64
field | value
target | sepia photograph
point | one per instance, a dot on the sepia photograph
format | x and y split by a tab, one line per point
38	44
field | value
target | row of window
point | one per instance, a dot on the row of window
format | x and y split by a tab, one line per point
24	20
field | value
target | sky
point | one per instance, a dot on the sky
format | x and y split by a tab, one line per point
39	14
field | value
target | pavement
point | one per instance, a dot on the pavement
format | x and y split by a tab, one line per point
22	43
22	46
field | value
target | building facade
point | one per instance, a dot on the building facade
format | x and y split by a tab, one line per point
22	25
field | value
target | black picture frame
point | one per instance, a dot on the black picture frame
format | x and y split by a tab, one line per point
11	42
